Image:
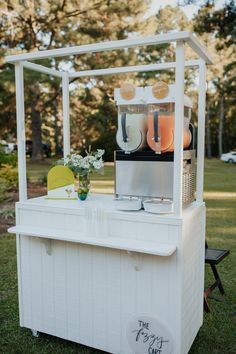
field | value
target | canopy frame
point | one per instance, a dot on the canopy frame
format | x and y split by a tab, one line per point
180	38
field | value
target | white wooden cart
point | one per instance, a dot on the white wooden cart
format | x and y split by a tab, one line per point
90	283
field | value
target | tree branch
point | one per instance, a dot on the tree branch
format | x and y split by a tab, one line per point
80	12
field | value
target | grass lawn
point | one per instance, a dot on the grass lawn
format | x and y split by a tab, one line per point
218	333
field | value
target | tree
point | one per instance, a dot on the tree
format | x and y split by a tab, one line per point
221	25
29	26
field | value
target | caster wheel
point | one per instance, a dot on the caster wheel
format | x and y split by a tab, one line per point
35	333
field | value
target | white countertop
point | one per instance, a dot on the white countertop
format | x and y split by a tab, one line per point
106	202
96	212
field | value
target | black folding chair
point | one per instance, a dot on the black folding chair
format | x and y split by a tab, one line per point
213	257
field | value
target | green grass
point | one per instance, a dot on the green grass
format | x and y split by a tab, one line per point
39	169
217	335
220	176
36	170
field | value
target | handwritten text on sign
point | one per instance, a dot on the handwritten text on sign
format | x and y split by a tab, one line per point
147	335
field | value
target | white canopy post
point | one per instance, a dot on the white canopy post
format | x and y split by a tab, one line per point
178	134
201	130
66	113
20	117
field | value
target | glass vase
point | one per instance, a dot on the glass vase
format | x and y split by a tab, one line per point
83	187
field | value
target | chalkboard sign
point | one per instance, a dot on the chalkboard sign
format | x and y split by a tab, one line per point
148	335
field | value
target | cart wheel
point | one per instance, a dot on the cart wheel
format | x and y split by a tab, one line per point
35	333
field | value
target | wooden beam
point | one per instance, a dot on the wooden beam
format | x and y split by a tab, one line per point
20	118
179	127
201	131
131	69
66	114
113	45
41	69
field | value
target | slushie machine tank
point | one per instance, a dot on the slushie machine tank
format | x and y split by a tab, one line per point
132	122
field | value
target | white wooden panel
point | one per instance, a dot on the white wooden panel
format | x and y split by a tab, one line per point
99	291
18	258
60	291
174	286
159	270
160	291
144	283
36	282
26	280
48	305
19	272
139	231
113	266
86	295
192	259
72	288
74	223
54	220
128	293
202	260
42	219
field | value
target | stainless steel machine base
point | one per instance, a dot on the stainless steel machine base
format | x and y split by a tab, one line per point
148	175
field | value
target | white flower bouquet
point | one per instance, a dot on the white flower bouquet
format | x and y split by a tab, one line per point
84	165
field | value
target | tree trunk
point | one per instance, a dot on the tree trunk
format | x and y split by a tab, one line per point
57	129
208	132
37	153
221	124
